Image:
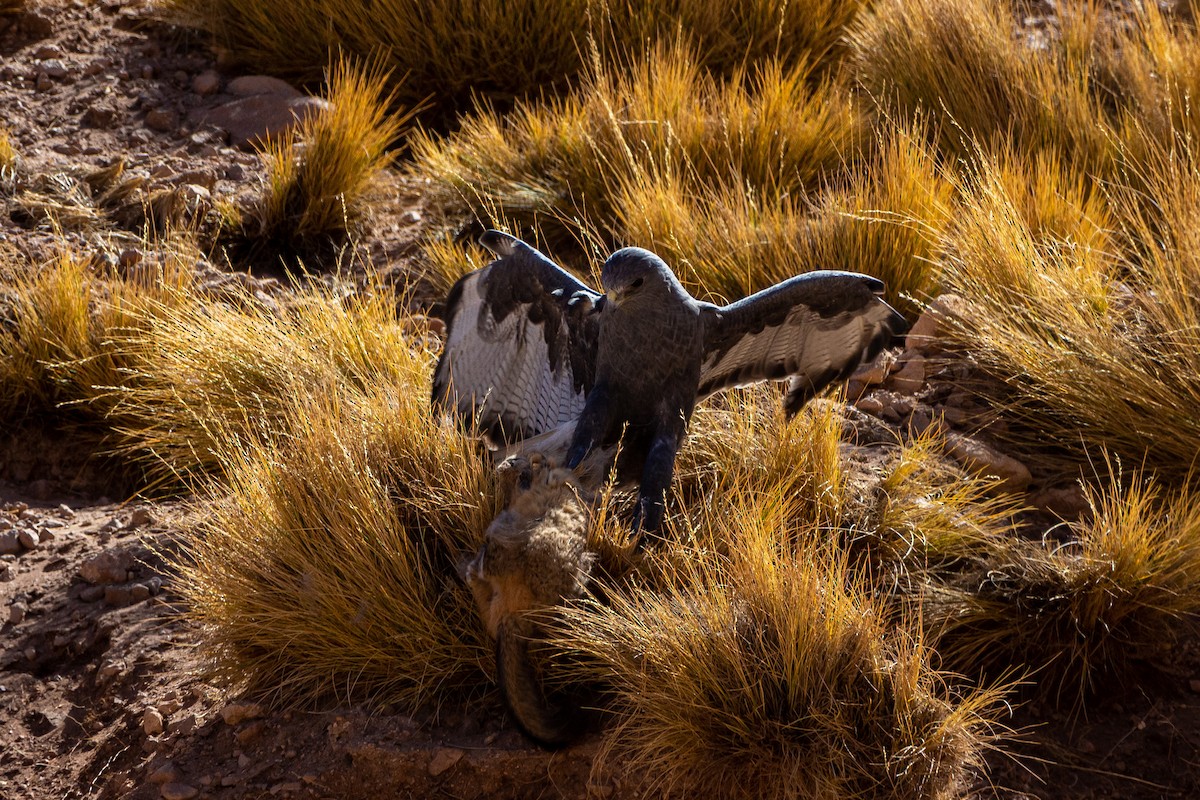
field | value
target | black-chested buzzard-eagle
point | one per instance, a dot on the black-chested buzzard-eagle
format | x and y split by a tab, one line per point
529	349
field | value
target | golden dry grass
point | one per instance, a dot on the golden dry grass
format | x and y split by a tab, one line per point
454	53
8	157
325	568
1087	609
769	672
658	124
317	183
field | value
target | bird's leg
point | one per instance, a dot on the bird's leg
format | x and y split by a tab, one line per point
592	425
656	479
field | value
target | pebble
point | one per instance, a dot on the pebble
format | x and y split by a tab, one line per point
443	759
152	722
206	83
251	732
90	594
109	670
869	405
250	85
140	517
28	539
182	726
9	543
43	82
981	459
179	791
55	68
162	120
168	707
167	773
911	376
111	566
16	612
235	713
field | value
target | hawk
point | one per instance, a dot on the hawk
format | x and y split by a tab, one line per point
529	349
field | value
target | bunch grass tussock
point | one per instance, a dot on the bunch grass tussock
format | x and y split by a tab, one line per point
1089	607
60	327
317	183
454	53
769	130
1091	332
325	570
768	672
208	372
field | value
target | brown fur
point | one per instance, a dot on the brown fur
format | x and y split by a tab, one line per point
533	558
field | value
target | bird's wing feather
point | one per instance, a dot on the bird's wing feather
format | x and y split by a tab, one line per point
811	330
520	349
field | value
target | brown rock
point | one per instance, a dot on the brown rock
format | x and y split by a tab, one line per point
9	545
16	613
251	85
930	327
260	118
911	376
162	120
235	713
179	791
251	732
983	460
152	722
206	83
28	539
443	759
111	566
167	773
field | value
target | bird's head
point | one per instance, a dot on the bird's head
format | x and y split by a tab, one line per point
632	274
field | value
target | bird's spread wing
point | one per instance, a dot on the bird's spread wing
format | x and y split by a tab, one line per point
520	347
812	330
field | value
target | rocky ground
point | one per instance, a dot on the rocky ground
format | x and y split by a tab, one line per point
103	691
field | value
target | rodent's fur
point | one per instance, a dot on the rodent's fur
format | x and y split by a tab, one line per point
534	557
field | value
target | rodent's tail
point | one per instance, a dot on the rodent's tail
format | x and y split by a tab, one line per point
548	722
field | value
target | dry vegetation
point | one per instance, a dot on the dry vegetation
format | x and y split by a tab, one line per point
1055	187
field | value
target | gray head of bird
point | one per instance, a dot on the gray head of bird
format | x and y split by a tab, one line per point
632	276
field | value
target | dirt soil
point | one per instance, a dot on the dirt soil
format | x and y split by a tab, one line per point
103	691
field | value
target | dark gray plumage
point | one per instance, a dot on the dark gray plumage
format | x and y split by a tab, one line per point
530	348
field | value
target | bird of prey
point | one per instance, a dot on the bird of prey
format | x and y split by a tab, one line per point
529	348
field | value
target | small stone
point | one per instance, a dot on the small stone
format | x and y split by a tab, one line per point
28	539
130	256
139	592
100	115
870	405
1194	685
16	613
162	120
179	791
182	726
169	707
981	459
30	653
109	670
139	518
9	543
235	713
91	594
1065	502
251	732
249	85
933	323
152	722
55	68
206	83
43	82
443	759
111	566
44	533
167	773
118	596
911	376
411	217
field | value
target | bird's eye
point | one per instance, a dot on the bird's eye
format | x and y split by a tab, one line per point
637	284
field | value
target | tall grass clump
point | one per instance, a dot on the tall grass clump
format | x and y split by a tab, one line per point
659	119
317	184
1088	608
1091	345
324	569
208	372
453	54
770	673
60	326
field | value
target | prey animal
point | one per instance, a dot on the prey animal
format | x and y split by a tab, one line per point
530	349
